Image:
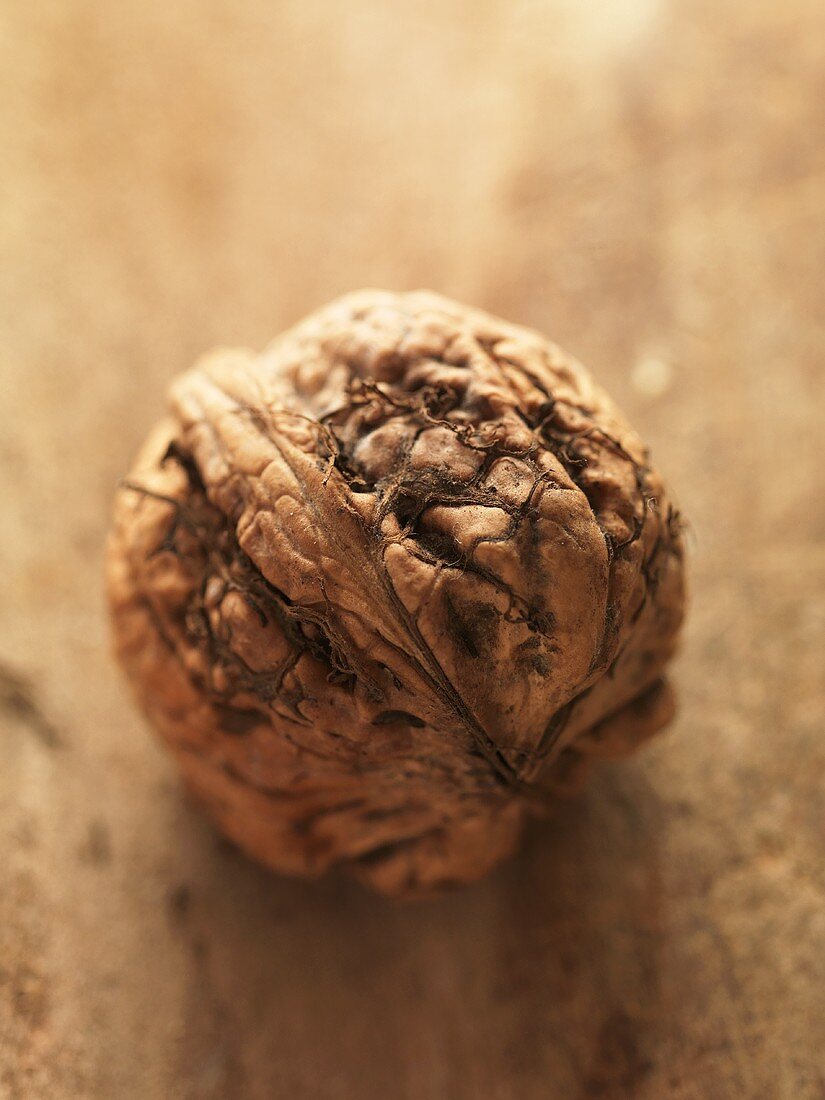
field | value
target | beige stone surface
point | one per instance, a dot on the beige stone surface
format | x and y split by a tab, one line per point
643	181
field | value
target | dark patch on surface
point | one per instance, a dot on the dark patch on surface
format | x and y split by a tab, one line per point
617	1059
179	903
399	717
28	994
226	847
439	545
538	663
237	721
305	825
406	506
19	699
554	728
174	452
388	850
97	846
473	626
385	813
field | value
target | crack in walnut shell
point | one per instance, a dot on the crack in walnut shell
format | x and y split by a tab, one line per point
385	586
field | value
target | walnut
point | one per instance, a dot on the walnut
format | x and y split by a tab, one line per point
385	587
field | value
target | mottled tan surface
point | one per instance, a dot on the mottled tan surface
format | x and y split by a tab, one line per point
643	180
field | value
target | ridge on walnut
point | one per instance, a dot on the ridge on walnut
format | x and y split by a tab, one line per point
384	587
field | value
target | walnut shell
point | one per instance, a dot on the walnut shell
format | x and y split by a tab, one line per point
386	585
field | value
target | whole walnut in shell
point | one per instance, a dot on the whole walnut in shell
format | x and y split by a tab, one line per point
387	585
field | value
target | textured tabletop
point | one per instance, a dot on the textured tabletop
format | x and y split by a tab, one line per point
643	182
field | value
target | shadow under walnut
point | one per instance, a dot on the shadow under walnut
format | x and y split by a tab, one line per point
387	585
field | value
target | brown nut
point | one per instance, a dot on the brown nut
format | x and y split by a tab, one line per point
384	586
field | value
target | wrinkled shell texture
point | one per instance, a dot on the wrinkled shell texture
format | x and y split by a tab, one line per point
386	586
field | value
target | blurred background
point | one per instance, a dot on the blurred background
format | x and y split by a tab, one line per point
645	182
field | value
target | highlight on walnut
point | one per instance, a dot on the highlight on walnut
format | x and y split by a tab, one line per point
386	588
